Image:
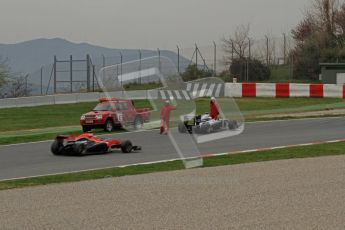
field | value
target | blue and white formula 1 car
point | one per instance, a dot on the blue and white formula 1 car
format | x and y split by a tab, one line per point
204	124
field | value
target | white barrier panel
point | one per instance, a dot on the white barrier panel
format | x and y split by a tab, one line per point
299	90
333	91
265	90
233	90
117	94
66	98
87	97
8	103
152	94
138	94
35	101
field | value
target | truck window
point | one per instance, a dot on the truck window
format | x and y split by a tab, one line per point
124	106
102	107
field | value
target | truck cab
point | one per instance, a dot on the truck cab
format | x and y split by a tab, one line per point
111	113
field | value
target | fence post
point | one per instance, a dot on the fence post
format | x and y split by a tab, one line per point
267	51
196	55
232	51
159	60
103	60
54	74
88	72
178	59
93	78
215	59
139	66
121	60
284	48
71	72
26	85
41	80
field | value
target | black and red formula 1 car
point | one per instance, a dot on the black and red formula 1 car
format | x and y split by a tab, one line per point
87	143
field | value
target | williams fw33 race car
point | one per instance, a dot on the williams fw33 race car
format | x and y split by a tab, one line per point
87	143
204	124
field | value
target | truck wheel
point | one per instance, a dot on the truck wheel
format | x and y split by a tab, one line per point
182	127
138	123
109	126
126	146
86	129
56	148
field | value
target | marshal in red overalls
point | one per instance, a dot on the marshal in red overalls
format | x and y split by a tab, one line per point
165	117
214	112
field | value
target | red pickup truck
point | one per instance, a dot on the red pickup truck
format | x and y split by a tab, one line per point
113	112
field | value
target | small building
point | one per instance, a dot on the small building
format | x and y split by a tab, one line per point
333	73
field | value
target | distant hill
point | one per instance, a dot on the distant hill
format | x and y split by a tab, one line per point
29	56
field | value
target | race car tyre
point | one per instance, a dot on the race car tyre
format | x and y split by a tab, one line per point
79	148
126	146
109	126
56	147
182	127
233	125
138	123
205	129
86	129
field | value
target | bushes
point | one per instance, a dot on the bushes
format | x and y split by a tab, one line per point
256	70
193	73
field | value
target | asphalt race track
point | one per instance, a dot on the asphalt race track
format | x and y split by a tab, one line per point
34	159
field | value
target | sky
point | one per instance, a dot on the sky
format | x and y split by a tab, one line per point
145	24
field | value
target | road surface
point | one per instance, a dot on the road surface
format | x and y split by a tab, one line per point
34	159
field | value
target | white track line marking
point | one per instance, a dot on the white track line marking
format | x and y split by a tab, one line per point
186	95
210	90
195	89
203	90
218	90
189	86
163	94
178	95
171	96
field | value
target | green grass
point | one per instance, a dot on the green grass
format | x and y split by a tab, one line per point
331	149
25	118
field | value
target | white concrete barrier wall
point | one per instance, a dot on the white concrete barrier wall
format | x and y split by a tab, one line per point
66	98
299	90
88	97
8	103
333	91
265	90
233	90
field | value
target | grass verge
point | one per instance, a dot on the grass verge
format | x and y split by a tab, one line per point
330	149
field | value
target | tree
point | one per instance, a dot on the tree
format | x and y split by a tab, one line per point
193	73
238	45
251	68
319	37
4	71
18	86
